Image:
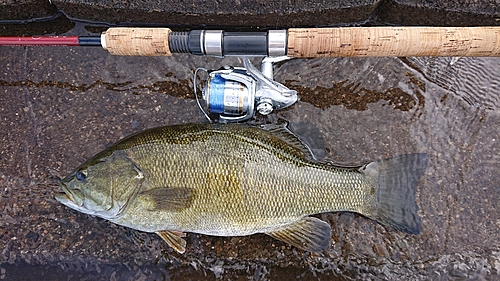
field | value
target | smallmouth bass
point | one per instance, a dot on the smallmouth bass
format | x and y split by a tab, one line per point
236	180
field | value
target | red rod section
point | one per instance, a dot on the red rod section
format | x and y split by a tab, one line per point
40	41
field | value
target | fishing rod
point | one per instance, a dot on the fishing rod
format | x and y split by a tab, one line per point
234	94
481	41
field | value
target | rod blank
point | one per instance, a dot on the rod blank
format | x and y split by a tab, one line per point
40	41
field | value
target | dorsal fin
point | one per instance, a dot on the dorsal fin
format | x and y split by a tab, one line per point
283	133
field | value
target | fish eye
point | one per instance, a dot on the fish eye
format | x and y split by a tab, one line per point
81	175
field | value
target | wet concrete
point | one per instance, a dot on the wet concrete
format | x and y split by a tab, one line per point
26	10
439	13
257	13
60	105
243	13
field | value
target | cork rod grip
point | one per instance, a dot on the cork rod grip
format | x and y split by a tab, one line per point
394	41
128	41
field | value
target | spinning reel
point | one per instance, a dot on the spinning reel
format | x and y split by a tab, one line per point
235	93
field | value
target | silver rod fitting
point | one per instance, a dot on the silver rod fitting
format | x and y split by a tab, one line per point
277	41
213	42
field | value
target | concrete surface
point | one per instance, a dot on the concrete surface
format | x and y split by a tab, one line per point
258	13
440	13
59	106
26	10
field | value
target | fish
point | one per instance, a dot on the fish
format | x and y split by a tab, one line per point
238	180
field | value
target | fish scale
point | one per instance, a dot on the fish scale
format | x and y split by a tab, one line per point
281	184
233	180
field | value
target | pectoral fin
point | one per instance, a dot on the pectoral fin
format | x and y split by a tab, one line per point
309	233
174	239
168	199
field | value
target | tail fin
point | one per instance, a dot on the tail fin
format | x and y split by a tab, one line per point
395	180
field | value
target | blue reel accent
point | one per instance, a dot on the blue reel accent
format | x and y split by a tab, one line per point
216	102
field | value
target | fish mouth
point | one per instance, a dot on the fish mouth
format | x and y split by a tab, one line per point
73	199
65	197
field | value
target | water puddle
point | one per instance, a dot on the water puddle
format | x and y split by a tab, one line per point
61	105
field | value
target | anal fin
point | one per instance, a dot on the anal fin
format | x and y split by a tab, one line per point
174	239
309	233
